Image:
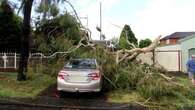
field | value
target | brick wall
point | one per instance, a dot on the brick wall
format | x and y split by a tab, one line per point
168	42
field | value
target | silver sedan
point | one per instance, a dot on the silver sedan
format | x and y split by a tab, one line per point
80	75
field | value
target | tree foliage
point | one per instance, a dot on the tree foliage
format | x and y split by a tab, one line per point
127	36
144	43
115	42
10	28
63	27
48	8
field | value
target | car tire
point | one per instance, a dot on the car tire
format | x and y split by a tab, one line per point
60	94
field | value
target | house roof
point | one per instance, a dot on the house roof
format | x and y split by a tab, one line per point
187	38
178	35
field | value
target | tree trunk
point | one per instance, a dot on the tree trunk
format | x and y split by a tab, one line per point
24	51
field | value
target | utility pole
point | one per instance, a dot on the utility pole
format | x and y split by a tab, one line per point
100	21
87	22
85	17
99	28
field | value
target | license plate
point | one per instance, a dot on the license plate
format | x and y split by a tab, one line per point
78	79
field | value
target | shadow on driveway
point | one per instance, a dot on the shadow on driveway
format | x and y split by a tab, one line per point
49	100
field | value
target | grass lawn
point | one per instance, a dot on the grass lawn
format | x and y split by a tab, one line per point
165	103
10	87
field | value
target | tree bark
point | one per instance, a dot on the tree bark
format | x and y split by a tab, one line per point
24	51
131	54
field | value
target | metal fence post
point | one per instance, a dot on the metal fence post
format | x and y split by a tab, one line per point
4	60
15	62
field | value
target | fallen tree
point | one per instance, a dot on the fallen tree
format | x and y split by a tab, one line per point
120	55
122	71
131	54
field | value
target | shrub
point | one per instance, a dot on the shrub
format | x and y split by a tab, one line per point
53	66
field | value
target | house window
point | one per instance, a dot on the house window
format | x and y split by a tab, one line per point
191	52
167	41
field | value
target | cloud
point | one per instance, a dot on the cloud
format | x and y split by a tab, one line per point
165	17
155	17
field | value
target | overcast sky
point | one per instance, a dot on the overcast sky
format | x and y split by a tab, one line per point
147	18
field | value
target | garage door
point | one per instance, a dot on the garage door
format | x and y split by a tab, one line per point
191	52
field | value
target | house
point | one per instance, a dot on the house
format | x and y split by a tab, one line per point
175	49
187	49
174	38
173	53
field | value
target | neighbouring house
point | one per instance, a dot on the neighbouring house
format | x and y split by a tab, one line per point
174	38
187	49
173	52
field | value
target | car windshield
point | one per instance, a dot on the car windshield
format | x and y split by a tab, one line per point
81	64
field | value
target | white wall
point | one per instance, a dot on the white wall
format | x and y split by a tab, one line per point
170	60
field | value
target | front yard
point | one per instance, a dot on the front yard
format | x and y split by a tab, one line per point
10	87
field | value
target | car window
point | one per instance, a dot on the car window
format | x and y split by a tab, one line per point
81	64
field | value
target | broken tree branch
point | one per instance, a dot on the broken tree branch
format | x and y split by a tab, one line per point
130	54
